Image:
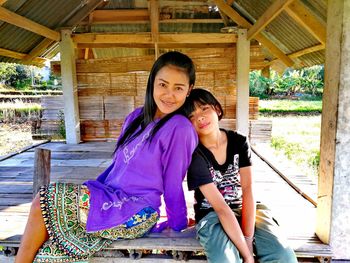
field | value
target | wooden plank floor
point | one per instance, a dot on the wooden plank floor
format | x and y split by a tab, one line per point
77	163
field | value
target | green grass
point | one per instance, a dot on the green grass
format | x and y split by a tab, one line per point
290	106
10	111
298	138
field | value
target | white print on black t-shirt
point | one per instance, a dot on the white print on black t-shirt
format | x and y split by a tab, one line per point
228	184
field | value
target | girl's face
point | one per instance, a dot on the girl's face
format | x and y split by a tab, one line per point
171	86
205	119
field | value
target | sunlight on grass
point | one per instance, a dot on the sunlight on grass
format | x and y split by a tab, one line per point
290	106
298	137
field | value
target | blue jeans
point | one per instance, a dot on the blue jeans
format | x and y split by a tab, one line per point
269	245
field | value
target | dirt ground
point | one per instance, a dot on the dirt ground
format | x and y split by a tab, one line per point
14	137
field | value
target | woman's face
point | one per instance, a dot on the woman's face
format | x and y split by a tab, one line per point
171	86
205	119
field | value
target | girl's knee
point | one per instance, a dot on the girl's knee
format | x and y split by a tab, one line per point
287	255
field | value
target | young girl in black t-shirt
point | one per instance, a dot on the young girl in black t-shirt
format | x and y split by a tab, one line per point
228	220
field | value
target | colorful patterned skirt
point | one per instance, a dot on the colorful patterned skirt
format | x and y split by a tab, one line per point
65	208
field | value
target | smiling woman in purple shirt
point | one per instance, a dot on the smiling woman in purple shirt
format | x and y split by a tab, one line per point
70	222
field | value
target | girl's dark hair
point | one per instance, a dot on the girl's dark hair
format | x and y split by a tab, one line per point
201	97
148	112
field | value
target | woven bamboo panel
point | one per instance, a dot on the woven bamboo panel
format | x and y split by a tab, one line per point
51	108
212	64
122	84
229	124
118	107
141	83
52	102
49	127
115	127
50	114
224	79
197	53
93	80
205	80
139	101
93	129
91	108
260	130
100	130
101	91
115	65
253	108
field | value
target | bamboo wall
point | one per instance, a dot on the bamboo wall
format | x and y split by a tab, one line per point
108	89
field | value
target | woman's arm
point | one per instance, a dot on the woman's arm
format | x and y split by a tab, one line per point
227	219
176	159
248	205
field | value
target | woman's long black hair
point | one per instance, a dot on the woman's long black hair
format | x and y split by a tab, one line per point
148	112
201	97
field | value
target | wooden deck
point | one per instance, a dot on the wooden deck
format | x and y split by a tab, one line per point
77	163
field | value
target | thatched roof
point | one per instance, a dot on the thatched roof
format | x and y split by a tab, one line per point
292	33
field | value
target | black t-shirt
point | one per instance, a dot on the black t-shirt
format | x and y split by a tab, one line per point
205	169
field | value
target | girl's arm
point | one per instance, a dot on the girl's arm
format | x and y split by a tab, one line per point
248	205
227	219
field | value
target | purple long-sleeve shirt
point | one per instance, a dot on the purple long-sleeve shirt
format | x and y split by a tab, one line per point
141	172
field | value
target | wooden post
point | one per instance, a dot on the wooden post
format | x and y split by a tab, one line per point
333	207
42	162
70	89
242	106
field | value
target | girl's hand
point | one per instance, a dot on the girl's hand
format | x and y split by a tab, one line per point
249	242
249	259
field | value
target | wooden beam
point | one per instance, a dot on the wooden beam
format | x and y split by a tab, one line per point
2	2
68	22
17	55
270	14
86	53
146	38
307	51
161	21
37	51
25	23
82	13
302	15
301	52
120	15
154	17
151	45
241	21
191	21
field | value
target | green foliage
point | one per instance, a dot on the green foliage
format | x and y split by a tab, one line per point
259	86
23	77
61	124
15	75
303	81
